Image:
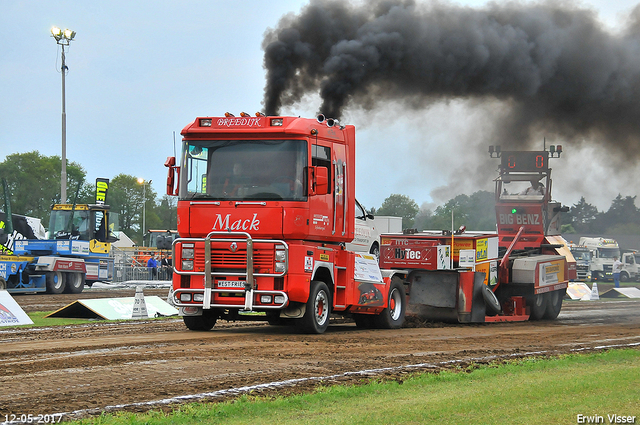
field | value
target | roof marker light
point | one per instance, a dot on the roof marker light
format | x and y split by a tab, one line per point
276	122
244	114
205	122
228	114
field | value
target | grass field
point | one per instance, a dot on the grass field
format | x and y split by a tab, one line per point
527	391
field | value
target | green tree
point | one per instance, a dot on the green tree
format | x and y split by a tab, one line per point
623	214
33	181
400	206
127	197
476	212
582	216
167	212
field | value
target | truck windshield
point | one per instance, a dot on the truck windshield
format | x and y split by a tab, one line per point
67	224
609	252
245	170
581	255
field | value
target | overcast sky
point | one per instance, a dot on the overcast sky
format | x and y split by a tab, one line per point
139	71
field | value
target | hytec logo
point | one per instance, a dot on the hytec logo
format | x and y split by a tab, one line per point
407	254
226	223
520	219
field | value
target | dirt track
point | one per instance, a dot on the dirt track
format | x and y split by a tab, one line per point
85	369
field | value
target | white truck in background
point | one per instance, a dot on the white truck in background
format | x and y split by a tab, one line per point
603	251
369	228
388	224
582	255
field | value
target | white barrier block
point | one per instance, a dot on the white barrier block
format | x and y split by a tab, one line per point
11	313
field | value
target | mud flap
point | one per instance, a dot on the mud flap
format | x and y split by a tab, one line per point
433	289
440	295
433	295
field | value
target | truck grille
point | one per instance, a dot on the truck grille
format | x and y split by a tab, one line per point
224	259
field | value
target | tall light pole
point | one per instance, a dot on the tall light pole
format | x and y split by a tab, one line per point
63	38
144	204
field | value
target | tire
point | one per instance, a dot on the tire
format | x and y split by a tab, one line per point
491	301
538	306
206	322
75	283
624	277
316	315
554	304
55	282
3	284
375	250
392	317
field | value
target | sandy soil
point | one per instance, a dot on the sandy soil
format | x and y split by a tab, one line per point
83	370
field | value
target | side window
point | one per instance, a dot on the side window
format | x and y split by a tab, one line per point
321	157
359	211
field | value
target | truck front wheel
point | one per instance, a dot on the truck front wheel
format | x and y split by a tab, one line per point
624	277
316	316
55	282
206	322
3	284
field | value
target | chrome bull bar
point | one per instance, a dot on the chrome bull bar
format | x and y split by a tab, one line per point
249	274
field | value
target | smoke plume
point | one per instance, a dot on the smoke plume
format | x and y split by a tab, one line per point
554	64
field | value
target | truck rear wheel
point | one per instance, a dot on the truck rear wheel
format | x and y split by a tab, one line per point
75	283
206	322
316	316
392	317
538	306
3	284
554	304
55	282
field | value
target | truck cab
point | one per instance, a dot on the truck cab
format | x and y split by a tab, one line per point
582	255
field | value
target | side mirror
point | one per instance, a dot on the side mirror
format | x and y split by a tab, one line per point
318	178
171	176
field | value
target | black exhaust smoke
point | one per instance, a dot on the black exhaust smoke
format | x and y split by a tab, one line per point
553	63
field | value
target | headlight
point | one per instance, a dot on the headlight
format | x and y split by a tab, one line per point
185	297
281	256
188	253
198	297
265	299
278	299
187	264
281	267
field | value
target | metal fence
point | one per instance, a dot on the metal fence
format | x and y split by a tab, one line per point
130	264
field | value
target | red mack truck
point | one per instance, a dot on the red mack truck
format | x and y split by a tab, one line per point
267	204
265	208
